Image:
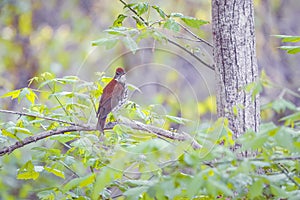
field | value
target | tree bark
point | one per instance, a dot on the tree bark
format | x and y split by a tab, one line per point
235	63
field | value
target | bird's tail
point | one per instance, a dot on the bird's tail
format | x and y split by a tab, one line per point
101	123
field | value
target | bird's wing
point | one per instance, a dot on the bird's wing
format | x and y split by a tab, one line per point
112	93
105	100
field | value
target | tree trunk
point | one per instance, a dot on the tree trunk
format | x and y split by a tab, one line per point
235	63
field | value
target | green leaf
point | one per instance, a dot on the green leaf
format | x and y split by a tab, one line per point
102	180
178	120
20	130
141	7
133	183
284	138
117	31
88	180
107	42
48	194
256	189
172	25
119	21
9	134
46	83
134	193
64	138
130	44
47	76
193	22
56	172
278	192
288	38
79	182
27	172
176	15
220	187
291	49
160	11
280	105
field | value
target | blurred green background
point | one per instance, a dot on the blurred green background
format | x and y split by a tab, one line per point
55	36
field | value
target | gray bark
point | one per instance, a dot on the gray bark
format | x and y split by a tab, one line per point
235	63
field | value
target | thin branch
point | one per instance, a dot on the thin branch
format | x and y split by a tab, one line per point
134	125
185	38
40	136
194	35
163	133
171	41
284	171
212	163
69	168
39	116
189	52
57	99
132	10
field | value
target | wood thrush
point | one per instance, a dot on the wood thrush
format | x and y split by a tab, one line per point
114	96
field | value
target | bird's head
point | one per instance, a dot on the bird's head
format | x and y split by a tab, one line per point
120	75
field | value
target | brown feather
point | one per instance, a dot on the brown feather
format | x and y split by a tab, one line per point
110	98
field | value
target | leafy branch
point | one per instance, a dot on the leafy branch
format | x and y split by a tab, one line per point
169	23
80	127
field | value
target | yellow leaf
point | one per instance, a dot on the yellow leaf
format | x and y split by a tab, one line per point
31	96
56	172
13	94
27	172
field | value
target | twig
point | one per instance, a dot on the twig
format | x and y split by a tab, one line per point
284	171
212	163
189	52
194	35
185	38
132	10
171	41
57	99
68	168
39	116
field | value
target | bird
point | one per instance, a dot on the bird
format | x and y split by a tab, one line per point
114	96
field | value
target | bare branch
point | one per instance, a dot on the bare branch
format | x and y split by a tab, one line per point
41	117
40	136
189	52
195	36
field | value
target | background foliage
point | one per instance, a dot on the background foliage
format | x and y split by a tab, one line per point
46	43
